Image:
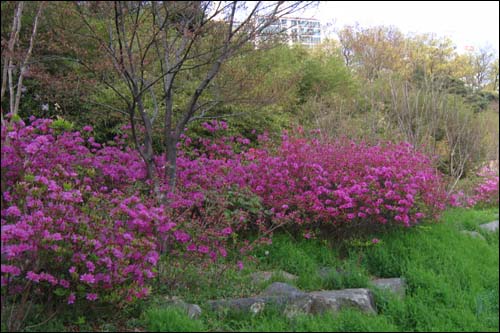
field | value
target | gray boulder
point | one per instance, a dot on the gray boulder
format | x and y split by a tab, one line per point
293	301
395	285
278	294
256	304
474	234
193	311
492	226
282	289
335	300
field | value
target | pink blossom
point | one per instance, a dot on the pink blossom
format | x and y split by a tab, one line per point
90	266
181	236
87	278
13	211
71	298
64	283
223	252
9	269
227	231
152	257
33	276
203	249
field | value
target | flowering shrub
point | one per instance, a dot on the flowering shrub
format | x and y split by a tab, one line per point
309	181
78	222
306	181
71	224
486	192
74	224
483	190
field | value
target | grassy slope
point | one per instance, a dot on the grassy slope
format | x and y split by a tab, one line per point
452	280
452	284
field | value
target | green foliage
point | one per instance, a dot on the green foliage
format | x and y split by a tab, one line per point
171	320
15	118
250	203
61	125
348	275
345	321
197	284
270	320
324	75
480	100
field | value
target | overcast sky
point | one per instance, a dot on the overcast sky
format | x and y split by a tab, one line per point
467	23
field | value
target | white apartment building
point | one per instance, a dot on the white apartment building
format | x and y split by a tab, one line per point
297	30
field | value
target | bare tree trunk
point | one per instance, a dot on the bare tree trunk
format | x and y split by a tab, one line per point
23	67
14	35
10	64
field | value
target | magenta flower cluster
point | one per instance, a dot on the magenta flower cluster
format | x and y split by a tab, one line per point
77	216
72	220
486	191
309	181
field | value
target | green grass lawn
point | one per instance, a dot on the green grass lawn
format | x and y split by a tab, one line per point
452	284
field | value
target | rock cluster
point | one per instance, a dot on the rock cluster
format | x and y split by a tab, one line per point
293	301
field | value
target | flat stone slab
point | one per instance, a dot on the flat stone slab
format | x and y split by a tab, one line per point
474	234
395	285
334	300
264	276
492	226
257	304
292	301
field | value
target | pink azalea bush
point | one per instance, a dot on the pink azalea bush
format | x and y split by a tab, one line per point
72	223
483	192
308	181
486	192
79	221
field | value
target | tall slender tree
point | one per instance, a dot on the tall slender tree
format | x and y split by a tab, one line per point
152	44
